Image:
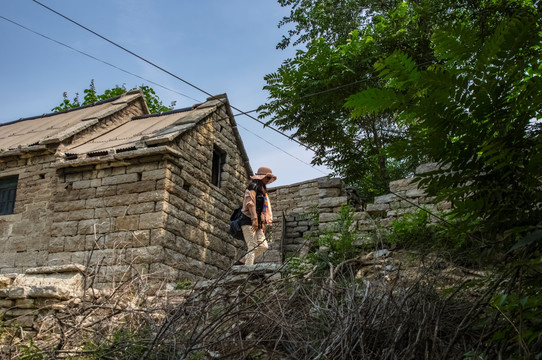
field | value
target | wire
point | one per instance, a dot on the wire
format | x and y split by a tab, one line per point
200	89
171	74
135	138
164	87
97	59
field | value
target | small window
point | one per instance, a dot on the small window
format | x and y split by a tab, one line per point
219	159
8	188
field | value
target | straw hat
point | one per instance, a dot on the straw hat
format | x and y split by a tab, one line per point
263	172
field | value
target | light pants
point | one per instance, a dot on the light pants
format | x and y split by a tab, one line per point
256	243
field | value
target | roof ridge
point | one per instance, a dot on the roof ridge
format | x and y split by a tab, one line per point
63	111
165	112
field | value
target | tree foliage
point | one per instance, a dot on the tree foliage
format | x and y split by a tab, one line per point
91	96
308	92
476	111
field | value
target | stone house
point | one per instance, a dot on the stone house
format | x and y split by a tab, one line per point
122	191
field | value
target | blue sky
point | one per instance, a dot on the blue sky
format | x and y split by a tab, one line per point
219	46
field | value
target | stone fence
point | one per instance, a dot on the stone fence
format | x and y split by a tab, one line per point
302	209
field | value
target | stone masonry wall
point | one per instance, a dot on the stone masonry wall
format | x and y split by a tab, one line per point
314	205
196	240
110	215
26	234
151	212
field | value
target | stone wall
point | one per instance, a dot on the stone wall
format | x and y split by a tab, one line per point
311	207
29	302
196	238
151	211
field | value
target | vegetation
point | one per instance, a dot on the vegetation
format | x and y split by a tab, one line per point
380	87
153	101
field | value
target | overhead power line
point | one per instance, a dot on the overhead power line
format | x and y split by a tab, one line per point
97	59
157	84
169	73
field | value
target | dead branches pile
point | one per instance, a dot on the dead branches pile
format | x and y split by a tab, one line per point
254	317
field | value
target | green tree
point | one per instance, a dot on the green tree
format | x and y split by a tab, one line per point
153	101
307	93
476	110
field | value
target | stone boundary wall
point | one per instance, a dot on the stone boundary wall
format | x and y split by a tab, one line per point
29	302
26	233
298	205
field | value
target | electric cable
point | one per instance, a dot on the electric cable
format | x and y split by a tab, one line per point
164	87
192	85
170	74
97	59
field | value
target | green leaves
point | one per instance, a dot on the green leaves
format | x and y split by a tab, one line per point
153	101
371	101
474	111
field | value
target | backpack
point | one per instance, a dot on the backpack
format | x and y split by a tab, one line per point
235	226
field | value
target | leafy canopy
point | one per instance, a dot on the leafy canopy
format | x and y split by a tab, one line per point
476	111
343	39
153	101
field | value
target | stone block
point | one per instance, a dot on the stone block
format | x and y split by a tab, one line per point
113	211
326	182
161	237
425	168
25	303
401	185
384	199
98	226
444	205
120	179
6	303
127	222
69	205
327	217
104	191
51	292
59	258
329	192
153	175
15	244
162	271
27	259
83	184
414	193
120	200
309	192
17	292
156	195
120	170
145	255
137	187
24	321
74	243
151	221
332	202
74	215
141	208
141	168
80	257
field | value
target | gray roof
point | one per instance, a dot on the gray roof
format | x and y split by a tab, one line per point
55	127
133	134
143	131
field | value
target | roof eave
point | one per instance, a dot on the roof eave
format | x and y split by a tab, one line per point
117	157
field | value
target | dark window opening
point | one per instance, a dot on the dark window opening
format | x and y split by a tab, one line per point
219	159
8	188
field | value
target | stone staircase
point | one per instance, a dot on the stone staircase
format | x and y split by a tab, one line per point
234	277
272	255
